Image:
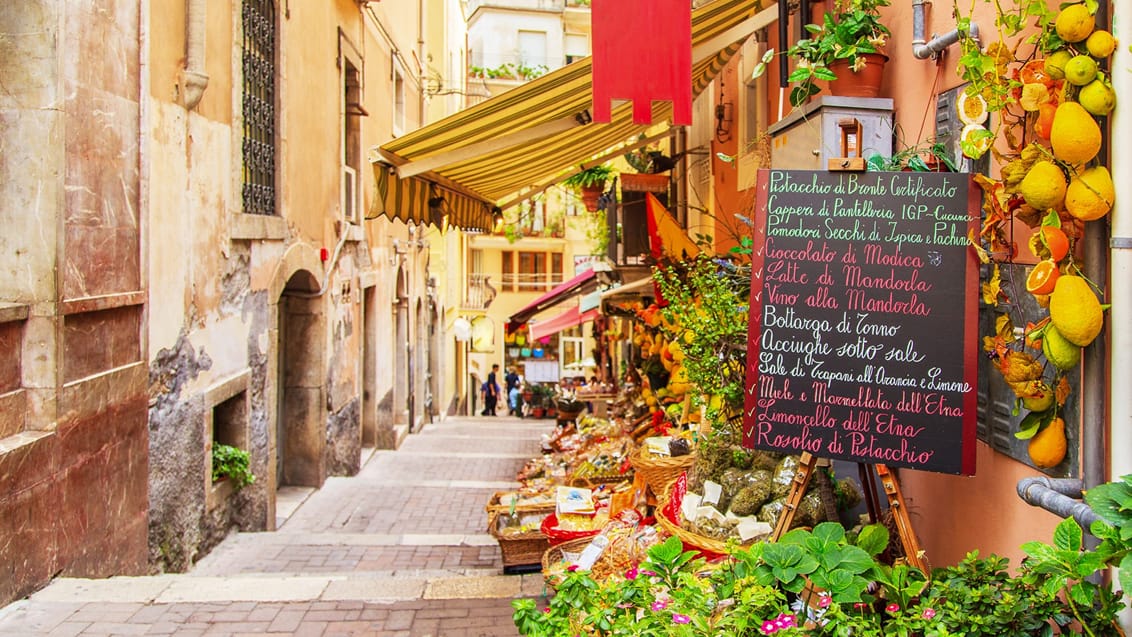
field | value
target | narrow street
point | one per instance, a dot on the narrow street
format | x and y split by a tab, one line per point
399	550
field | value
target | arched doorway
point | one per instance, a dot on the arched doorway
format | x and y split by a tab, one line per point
402	349
299	438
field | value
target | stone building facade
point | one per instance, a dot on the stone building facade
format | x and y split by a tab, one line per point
188	262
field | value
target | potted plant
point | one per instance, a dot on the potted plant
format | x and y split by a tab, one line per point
926	157
846	50
232	463
590	183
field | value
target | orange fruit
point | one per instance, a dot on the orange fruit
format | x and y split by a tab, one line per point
1043	277
1056	241
1034	72
1048	448
1044	122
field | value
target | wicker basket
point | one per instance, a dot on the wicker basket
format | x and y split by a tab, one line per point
518	550
709	546
659	471
494	504
555	553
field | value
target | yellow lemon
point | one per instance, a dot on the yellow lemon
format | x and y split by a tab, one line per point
1075	311
1059	352
1100	44
1091	194
1097	97
1074	23
1048	448
1040	400
1043	187
1055	63
1074	135
1080	70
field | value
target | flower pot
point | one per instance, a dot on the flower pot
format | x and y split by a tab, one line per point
861	83
590	196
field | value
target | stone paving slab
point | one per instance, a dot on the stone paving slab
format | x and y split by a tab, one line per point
400	550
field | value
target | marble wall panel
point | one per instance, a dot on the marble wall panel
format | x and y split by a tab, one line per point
11	346
27	53
95	525
98	341
103	45
13	412
102	235
29	526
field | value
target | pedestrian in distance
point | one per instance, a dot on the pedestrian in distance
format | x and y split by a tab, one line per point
491	392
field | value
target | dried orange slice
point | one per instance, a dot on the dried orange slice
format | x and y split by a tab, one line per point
972	109
1043	277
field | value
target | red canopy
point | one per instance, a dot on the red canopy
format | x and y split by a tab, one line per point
584	282
570	318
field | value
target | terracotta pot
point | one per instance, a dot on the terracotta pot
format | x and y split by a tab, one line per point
590	195
862	83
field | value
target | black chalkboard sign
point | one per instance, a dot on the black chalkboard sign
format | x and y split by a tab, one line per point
863	337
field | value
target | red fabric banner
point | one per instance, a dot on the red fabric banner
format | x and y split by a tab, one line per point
642	51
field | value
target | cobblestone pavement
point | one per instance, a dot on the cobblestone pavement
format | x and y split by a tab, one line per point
400	550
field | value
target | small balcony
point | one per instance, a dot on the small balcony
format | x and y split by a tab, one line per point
555	6
532	282
479	293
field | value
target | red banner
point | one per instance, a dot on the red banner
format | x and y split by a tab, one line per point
642	51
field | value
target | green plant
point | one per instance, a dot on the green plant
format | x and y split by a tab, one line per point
914	158
707	314
592	176
233	463
850	31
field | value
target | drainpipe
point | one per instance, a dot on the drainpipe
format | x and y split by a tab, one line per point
1120	282
193	78
1062	497
923	49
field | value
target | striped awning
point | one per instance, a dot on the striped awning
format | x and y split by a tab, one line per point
533	135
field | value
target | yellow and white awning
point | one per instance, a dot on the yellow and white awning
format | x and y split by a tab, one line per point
531	136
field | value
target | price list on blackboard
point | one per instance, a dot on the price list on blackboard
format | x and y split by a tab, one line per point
863	326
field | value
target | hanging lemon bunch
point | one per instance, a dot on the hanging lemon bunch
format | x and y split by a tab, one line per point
1050	111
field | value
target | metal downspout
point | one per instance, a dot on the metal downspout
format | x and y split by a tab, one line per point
922	48
1062	497
1120	290
193	78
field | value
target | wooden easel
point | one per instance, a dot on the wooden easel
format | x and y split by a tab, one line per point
806	467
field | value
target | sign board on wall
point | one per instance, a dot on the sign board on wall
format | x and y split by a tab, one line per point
540	371
863	336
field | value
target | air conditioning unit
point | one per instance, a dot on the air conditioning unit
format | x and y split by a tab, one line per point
351	198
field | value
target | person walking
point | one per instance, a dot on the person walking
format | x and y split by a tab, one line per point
513	392
491	392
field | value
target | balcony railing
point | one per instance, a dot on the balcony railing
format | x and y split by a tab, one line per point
527	5
479	293
537	282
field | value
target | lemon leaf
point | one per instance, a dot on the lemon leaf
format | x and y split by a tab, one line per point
993	287
1029	426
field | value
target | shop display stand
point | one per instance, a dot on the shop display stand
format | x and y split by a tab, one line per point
808	463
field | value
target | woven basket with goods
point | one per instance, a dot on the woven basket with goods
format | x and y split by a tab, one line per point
660	471
522	501
627	546
572	527
669	518
521	541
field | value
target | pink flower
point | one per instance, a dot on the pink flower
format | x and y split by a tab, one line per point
631	573
659	604
860	606
647	572
572	568
824	600
677	618
786	621
892	608
769	627
546	611
929	613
